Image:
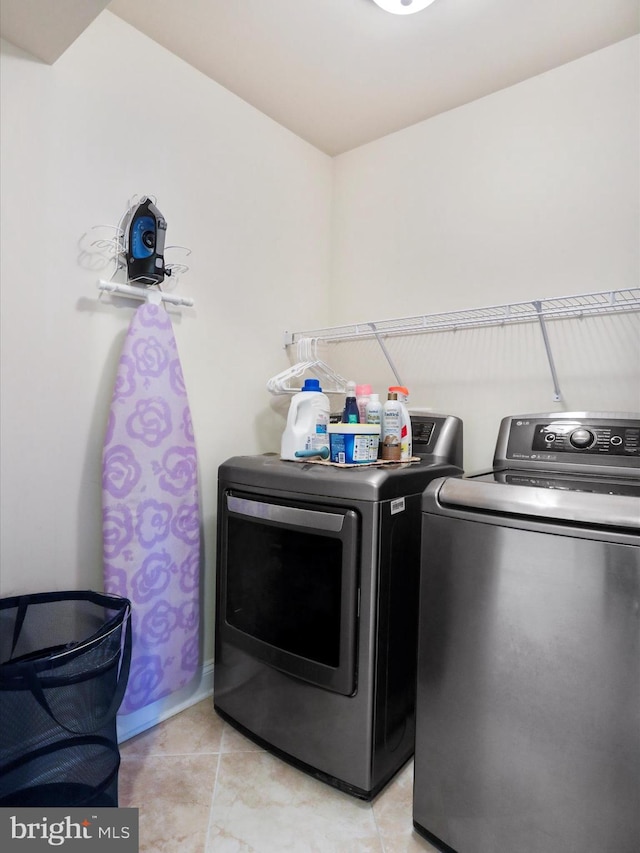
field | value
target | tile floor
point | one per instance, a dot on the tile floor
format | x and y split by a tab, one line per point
201	787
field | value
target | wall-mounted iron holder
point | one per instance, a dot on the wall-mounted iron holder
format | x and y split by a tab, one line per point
136	247
145	293
539	310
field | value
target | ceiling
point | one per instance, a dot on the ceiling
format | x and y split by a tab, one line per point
341	73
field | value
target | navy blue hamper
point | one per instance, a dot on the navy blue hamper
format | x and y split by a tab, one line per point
64	665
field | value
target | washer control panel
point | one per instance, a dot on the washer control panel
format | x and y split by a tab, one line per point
586	437
580	440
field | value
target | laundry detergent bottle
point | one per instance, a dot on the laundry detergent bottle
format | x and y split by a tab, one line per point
306	434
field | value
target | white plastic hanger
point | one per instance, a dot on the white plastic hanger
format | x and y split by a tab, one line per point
308	362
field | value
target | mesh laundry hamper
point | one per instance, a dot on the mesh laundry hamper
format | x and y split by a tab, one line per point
64	664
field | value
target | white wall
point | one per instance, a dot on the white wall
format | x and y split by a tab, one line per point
115	116
528	193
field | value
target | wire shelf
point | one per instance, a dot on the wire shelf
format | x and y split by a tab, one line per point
560	307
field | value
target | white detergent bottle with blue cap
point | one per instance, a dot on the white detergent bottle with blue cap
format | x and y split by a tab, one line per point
305	434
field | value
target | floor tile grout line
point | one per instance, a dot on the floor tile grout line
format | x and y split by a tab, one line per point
211	804
375	821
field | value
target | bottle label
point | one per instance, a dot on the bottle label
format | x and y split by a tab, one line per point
391	423
354	448
391	449
320	438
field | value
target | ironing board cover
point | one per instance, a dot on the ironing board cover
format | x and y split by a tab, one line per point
151	529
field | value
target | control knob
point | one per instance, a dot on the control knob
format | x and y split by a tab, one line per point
582	438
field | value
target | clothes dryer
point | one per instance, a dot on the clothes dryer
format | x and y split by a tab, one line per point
316	606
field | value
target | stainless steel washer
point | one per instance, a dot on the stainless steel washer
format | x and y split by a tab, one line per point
528	699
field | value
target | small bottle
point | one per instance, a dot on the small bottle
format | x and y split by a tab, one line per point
374	414
391	428
363	393
374	410
350	413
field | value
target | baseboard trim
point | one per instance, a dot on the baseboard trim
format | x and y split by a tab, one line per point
199	688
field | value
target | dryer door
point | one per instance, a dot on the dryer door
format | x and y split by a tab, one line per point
288	586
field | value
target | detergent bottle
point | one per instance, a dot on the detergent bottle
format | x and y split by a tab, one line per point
305	434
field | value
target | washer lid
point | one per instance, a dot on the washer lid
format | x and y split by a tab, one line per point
585	501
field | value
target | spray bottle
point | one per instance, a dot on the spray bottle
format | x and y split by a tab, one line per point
351	414
406	433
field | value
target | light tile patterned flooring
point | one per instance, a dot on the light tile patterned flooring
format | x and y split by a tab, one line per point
201	787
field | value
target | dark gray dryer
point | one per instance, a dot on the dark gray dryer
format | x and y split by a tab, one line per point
528	703
316	618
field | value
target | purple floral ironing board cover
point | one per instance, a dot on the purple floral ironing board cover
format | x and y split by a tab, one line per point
151	524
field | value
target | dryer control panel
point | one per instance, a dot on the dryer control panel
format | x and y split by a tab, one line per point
575	440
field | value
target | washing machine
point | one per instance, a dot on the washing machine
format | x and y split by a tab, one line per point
528	690
316	606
